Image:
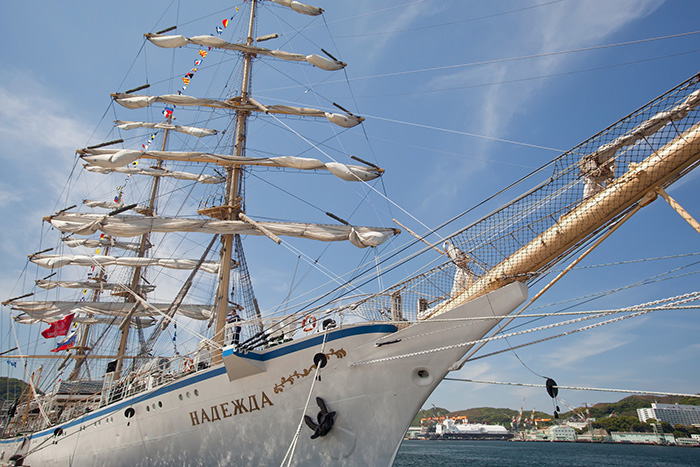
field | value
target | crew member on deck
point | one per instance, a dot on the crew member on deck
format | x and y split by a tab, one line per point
234	318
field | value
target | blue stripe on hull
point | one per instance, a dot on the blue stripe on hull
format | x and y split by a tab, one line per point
214	372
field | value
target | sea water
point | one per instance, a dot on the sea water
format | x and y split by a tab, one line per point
542	454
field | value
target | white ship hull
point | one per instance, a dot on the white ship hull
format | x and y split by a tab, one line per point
207	419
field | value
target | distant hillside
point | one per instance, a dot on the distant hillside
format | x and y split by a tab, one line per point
11	388
629	405
625	409
434	412
485	415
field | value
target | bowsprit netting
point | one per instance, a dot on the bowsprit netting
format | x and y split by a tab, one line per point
587	188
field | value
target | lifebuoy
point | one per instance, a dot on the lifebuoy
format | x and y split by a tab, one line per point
189	364
308	323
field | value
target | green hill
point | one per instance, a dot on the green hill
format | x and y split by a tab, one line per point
618	416
11	388
485	415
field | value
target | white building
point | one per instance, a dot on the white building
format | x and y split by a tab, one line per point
642	438
561	433
671	413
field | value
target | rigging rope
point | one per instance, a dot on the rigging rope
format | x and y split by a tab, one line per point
679	299
289	455
575	388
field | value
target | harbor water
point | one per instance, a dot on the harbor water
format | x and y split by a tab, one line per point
541	454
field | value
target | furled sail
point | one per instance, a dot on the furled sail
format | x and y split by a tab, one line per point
111	205
300	7
50	310
92	285
113	158
58	261
141	322
137	101
130	226
156	172
212	41
189	130
96	243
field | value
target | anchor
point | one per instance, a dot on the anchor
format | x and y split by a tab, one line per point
324	420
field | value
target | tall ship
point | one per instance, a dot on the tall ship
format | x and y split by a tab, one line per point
163	354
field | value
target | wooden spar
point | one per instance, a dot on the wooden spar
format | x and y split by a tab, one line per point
679	209
82	346
656	170
259	227
233	175
649	197
418	237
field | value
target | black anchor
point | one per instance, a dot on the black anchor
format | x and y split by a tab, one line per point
324	419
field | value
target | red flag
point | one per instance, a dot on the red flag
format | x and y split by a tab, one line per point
225	22
58	328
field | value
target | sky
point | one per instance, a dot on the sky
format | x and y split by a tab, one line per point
461	98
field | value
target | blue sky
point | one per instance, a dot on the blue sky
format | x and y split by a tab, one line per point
461	98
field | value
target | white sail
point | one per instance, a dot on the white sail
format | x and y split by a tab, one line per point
136	101
111	205
54	310
96	243
189	130
114	158
300	7
92	285
216	42
59	261
156	172
130	226
140	322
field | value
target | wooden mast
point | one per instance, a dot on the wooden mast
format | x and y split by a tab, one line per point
136	278
80	353
233	177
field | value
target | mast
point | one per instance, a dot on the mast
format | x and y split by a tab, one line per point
136	278
82	347
233	204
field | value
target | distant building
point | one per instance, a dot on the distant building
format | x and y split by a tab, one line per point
642	438
671	413
561	433
688	441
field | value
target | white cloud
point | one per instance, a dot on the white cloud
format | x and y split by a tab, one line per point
588	346
558	27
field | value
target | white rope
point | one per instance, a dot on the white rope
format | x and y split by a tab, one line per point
364	182
679	299
147	305
31	380
289	455
575	388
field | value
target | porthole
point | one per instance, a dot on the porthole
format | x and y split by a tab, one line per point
179	396
160	404
148	409
196	392
187	394
422	377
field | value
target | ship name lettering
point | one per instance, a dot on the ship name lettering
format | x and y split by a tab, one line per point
217	412
253	403
224	410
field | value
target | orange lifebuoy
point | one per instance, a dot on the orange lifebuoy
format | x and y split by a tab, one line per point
308	323
189	364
